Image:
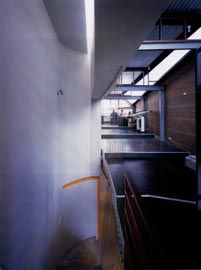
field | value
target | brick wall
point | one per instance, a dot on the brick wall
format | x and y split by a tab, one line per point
152	105
139	105
180	106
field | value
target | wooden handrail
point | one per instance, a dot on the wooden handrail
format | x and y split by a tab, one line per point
80	180
86	179
137	225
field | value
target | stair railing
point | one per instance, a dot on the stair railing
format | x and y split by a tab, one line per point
86	179
139	246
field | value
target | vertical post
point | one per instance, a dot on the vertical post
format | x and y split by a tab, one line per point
99	206
162	114
198	124
146	117
160	27
138	123
142	124
185	28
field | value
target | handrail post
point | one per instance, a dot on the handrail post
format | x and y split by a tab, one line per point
99	206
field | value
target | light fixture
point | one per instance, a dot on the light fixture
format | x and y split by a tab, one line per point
60	92
188	28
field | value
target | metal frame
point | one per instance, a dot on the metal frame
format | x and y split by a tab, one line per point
198	123
116	97
130	69
152	45
146	155
129	87
175	45
169	199
179	18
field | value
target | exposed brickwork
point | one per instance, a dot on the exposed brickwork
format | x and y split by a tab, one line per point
180	106
152	105
139	106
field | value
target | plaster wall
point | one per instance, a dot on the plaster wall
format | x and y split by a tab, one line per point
44	140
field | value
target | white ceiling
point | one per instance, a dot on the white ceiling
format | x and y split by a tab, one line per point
69	21
120	27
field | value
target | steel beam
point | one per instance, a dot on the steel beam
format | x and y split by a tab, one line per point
162	114
198	124
116	97
149	45
129	87
136	69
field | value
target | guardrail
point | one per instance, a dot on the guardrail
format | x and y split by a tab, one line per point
139	245
115	210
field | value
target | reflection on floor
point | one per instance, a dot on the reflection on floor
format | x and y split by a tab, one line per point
139	148
116	127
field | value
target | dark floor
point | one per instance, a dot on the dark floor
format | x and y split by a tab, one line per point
175	229
124	133
162	177
175	226
138	148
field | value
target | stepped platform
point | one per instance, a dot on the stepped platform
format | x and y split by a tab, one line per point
124	134
117	127
139	148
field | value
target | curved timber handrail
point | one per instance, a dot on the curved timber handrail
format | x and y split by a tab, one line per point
86	179
80	180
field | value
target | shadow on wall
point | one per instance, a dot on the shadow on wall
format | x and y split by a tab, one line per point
62	239
77	221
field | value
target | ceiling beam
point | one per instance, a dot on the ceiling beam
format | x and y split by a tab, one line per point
129	87
136	69
180	18
116	97
149	45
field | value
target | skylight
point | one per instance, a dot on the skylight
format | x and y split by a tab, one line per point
160	70
134	93
89	11
127	77
169	62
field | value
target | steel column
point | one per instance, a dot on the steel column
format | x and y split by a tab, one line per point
162	114
198	123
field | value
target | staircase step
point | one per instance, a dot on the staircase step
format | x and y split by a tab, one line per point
84	255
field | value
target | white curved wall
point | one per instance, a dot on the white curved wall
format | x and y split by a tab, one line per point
44	138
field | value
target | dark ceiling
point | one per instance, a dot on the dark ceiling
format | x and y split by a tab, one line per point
121	26
172	28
